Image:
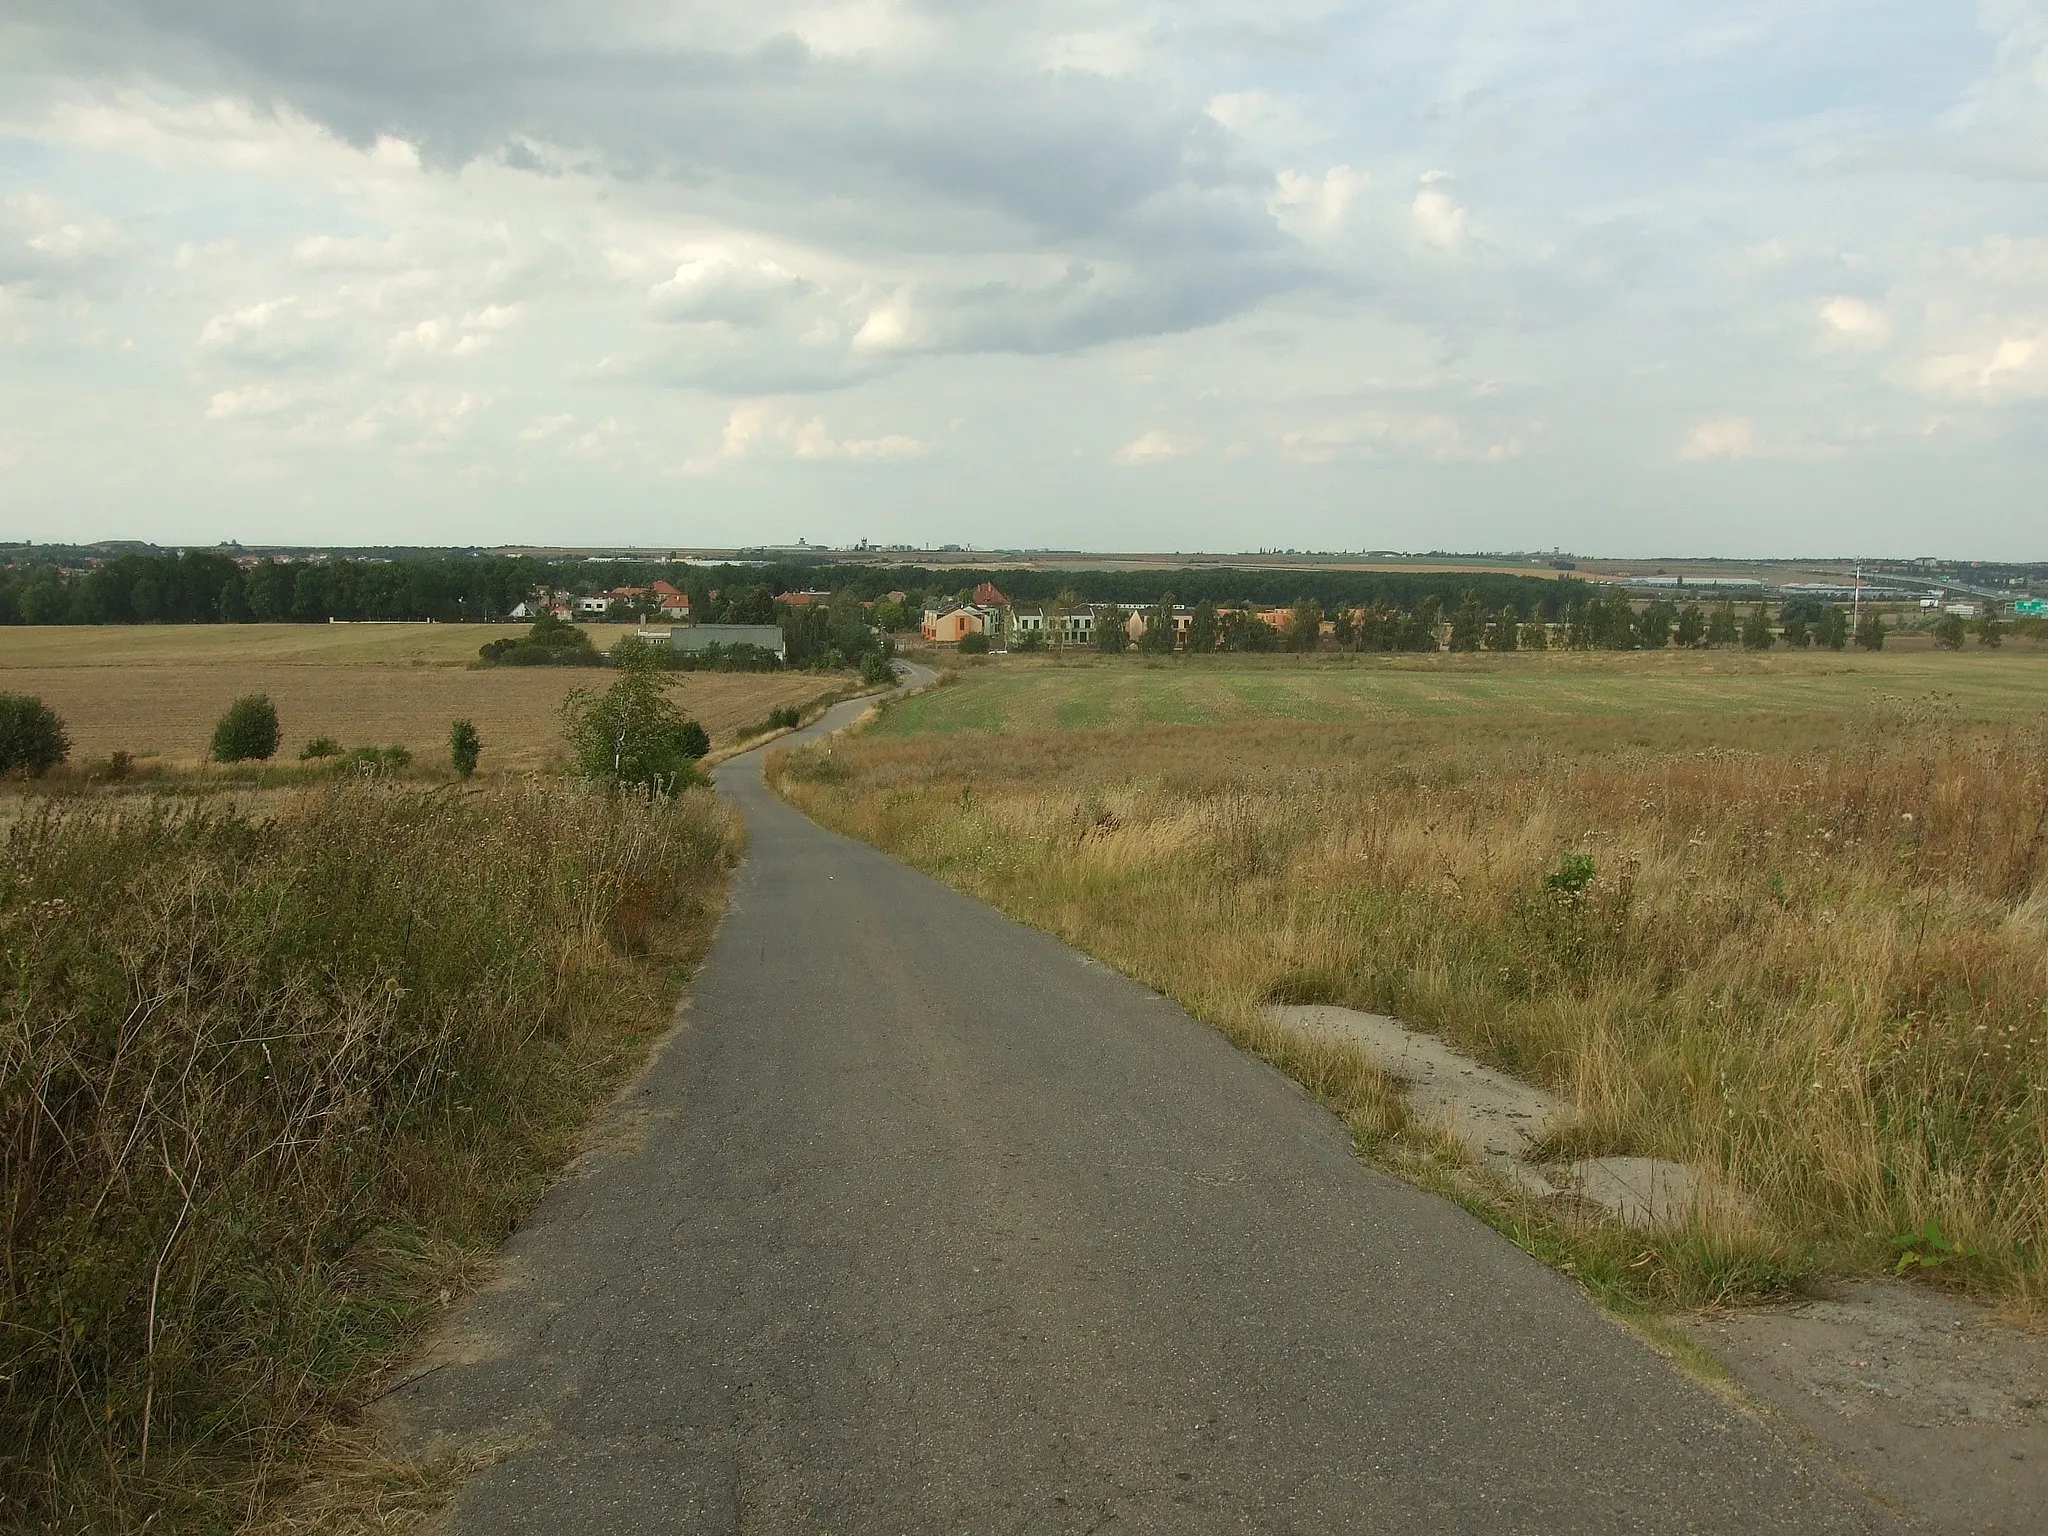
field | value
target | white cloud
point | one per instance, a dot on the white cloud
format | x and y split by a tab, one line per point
1856	319
764	429
1719	437
1154	447
719	287
2013	367
1265	118
1433	435
1436	214
249	400
1310	205
541	428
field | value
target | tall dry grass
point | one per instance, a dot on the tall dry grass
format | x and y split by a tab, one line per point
1816	961
265	1085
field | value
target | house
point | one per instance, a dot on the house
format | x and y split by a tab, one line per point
1032	619
701	637
954	622
670	603
593	607
986	596
803	599
526	610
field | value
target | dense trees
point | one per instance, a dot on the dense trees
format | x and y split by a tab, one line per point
211	586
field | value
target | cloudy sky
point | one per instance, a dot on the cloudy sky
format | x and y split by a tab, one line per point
1629	276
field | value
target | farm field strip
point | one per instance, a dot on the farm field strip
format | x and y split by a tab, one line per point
158	690
1095	693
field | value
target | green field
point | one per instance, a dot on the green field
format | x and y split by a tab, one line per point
1097	693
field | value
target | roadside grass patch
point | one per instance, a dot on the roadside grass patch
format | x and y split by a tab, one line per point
1804	949
272	1090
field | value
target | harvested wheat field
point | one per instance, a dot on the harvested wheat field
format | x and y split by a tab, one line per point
157	690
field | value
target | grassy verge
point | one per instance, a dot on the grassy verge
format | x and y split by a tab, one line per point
1810	948
272	1090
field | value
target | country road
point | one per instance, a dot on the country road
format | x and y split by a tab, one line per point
922	1222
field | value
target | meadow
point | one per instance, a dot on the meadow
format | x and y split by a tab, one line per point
156	690
1784	917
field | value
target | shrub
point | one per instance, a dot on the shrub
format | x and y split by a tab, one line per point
464	746
1870	632
319	747
786	718
551	642
633	733
1948	632
1031	640
32	738
378	762
973	645
875	669
247	732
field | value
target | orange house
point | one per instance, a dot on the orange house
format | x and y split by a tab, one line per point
952	626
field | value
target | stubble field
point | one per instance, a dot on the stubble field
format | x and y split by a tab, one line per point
156	691
1809	951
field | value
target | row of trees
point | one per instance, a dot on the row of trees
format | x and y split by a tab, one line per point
1609	623
212	586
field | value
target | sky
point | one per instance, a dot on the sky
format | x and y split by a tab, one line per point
1627	278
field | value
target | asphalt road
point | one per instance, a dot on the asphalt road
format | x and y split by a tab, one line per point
924	1222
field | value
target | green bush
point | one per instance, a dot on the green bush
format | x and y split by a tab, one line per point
464	746
1948	632
319	747
787	718
973	645
634	734
381	762
248	732
550	642
875	669
32	738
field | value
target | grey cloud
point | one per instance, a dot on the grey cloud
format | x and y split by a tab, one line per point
964	154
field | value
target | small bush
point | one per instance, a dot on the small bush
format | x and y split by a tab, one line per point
248	732
787	718
379	761
875	669
318	747
32	738
120	765
974	645
464	746
1573	874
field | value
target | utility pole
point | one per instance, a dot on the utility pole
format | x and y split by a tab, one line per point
1856	603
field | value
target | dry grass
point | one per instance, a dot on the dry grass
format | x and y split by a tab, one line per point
157	690
1814	956
272	1090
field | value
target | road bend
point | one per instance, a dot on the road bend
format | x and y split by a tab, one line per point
923	1222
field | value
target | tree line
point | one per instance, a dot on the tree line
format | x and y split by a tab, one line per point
210	586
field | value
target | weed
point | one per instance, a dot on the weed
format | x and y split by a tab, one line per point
266	1084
